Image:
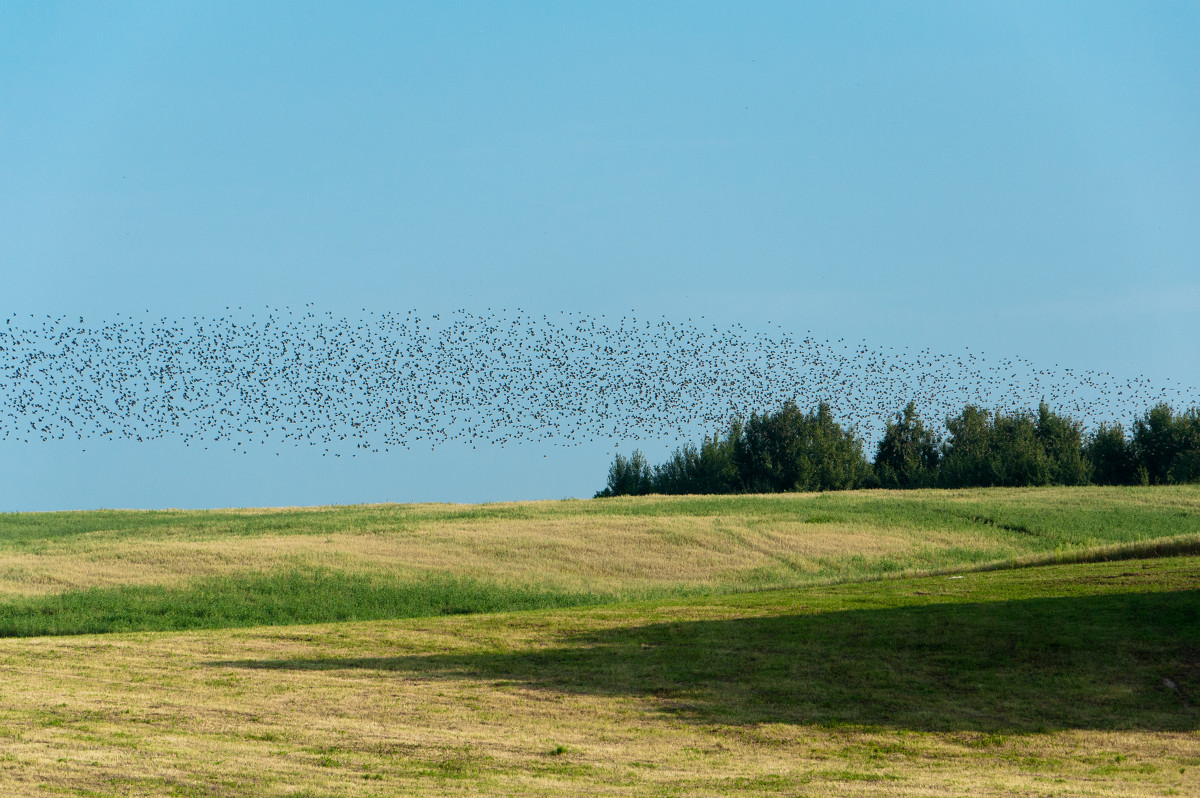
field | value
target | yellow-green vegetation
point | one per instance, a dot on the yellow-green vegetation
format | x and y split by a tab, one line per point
1040	681
684	676
125	570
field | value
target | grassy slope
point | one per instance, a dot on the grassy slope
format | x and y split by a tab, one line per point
1039	681
1060	680
121	570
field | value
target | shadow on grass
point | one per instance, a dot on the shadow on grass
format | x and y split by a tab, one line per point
1092	662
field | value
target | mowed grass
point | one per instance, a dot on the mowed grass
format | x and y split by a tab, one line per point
1062	680
135	570
306	596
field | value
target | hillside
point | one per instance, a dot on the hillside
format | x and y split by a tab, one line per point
653	666
100	570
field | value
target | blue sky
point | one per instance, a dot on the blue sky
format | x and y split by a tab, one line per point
1019	178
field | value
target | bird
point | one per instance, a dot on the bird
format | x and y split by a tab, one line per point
376	380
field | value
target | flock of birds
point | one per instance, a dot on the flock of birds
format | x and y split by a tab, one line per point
302	378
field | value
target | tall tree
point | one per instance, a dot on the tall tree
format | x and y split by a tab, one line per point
1158	438
790	450
1112	460
1062	441
907	456
628	476
966	454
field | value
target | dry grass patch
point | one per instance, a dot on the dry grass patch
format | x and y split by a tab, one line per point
667	698
615	546
610	554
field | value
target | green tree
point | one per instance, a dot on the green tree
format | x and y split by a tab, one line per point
1186	465
1111	457
679	473
1166	445
628	476
1018	458
1062	441
993	450
966	454
716	471
1159	438
1013	449
709	469
789	450
908	455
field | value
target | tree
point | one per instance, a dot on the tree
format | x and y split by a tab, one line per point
1062	441
1186	465
677	475
1159	437
1111	458
907	457
717	471
628	477
1017	457
1167	445
966	455
789	450
709	469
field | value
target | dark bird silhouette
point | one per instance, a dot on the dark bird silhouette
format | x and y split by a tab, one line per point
297	377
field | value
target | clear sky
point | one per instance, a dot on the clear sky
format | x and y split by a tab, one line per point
1019	178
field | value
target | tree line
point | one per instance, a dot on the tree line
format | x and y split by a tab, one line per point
793	450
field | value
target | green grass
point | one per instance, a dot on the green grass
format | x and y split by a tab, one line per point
573	552
1083	646
1078	676
1047	517
288	597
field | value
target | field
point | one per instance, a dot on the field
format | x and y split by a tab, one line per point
820	644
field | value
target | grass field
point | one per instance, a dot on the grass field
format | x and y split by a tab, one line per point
129	570
620	647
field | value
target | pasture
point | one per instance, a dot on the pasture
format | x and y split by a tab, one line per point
814	644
